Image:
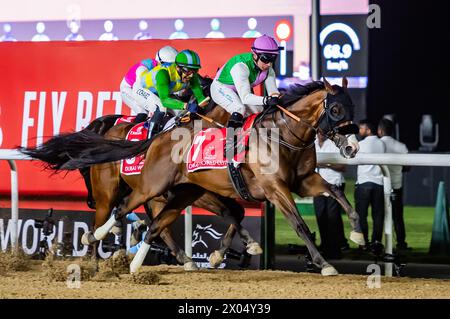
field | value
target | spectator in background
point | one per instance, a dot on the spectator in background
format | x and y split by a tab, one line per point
40	36
386	130
108	35
143	34
369	185
252	32
215	30
74	26
328	210
7	37
179	33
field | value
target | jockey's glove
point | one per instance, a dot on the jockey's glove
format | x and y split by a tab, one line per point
271	101
192	107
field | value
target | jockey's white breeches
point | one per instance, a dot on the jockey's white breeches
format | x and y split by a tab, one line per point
227	98
140	100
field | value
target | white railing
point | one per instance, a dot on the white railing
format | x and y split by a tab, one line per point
387	159
383	160
323	158
11	156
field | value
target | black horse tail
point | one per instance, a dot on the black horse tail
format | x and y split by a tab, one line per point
78	150
102	124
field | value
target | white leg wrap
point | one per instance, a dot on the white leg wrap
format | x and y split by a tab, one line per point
102	231
139	257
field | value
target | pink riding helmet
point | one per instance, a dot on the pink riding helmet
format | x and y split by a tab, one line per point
265	44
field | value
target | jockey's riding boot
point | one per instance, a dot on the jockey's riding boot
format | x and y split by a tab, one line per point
153	124
235	121
140	117
157	119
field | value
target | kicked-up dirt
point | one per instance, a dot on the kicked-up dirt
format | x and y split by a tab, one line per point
48	280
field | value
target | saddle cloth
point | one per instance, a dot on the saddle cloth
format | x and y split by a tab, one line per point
133	165
207	149
125	119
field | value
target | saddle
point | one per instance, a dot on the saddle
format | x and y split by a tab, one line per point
139	132
207	152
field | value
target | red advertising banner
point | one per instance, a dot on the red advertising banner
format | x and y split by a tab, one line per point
47	88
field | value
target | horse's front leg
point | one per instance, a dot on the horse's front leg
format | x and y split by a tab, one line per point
233	213
105	188
129	203
183	196
146	189
252	246
156	206
314	185
217	256
279	194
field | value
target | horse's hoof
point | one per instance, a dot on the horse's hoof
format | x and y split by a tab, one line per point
329	271
136	236
88	238
190	266
116	230
134	267
215	259
139	257
119	253
357	238
254	249
133	240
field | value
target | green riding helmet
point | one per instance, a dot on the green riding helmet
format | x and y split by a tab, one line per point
188	59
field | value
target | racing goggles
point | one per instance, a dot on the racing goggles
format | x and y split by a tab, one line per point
187	71
267	57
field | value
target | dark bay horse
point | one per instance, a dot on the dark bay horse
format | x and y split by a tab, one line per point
319	107
106	188
109	187
104	123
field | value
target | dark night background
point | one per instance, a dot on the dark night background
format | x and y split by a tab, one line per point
408	67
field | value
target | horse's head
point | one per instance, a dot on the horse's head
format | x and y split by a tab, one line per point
336	121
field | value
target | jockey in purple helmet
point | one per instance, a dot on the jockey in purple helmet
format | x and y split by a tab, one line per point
232	85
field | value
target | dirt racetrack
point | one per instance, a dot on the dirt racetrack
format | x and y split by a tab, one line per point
174	282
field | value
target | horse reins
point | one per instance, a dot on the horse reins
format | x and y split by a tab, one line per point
298	120
210	120
283	118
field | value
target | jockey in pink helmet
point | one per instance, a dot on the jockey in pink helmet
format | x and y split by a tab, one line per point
232	86
165	55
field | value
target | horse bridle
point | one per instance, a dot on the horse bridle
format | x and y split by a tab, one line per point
291	132
330	132
305	145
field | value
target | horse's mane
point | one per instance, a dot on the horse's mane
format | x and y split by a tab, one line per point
298	91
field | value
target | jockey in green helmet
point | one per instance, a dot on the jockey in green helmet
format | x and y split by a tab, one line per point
157	86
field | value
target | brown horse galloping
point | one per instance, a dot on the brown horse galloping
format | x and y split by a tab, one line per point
320	107
108	190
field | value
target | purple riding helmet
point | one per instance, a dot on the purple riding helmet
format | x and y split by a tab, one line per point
266	48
